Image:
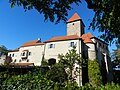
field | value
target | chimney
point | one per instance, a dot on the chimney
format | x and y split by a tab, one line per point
39	39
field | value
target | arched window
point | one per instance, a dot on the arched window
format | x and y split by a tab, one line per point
51	61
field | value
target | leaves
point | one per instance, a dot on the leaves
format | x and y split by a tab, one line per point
106	19
53	10
94	74
69	60
3	50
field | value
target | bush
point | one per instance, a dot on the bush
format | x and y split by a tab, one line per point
57	73
94	74
37	80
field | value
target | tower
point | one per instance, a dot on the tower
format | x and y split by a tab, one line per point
75	26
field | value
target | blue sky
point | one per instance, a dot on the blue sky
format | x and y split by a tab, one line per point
18	27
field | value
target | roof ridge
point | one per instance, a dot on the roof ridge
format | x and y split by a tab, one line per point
31	43
90	35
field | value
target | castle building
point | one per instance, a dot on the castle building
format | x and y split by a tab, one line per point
87	45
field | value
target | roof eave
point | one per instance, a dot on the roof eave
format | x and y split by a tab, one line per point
63	40
100	40
76	20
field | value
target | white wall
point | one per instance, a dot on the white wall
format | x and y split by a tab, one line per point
15	57
61	47
91	51
74	28
35	57
2	59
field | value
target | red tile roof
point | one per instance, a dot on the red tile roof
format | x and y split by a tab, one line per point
16	50
89	35
74	18
32	43
62	38
87	38
22	64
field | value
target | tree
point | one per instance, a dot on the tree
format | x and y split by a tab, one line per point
68	61
3	50
94	74
57	73
116	53
49	8
116	56
106	18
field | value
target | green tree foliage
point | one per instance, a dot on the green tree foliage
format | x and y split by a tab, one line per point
94	74
69	60
116	63
116	53
106	18
116	56
35	80
44	62
3	50
49	8
57	73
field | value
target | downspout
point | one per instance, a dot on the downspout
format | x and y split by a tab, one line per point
43	57
80	67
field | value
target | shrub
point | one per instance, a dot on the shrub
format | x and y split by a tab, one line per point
94	74
57	73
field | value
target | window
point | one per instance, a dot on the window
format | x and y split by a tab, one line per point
51	45
27	60
15	60
29	53
13	55
23	54
10	55
72	44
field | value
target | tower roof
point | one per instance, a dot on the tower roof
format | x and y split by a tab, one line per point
74	18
